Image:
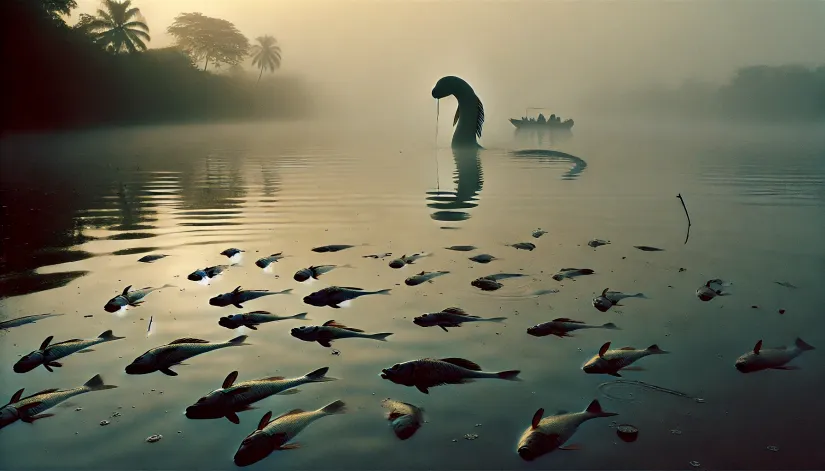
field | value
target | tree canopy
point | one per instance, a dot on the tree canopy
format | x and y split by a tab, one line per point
118	27
266	54
209	39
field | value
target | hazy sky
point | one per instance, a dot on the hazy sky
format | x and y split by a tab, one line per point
380	53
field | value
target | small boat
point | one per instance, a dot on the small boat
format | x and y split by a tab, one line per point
553	123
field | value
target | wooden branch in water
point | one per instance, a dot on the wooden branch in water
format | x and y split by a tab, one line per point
686	214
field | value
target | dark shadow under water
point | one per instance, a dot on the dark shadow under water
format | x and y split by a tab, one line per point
551	156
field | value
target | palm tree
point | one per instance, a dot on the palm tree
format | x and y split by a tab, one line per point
118	27
266	54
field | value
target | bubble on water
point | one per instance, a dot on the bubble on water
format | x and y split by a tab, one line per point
478	425
470	436
773	448
104	422
153	438
675	431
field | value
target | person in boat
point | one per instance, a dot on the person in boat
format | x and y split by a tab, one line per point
541	119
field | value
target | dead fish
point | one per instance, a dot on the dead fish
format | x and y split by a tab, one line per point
266	261
609	299
47	355
785	284
550	433
504	276
708	292
30	408
377	256
647	248
406	260
538	233
483	258
611	361
275	434
330	331
404	418
5	325
130	298
524	246
486	284
234	397
314	272
173	353
331	248
151	258
450	317
430	372
597	242
462	248
237	297
332	296
254	319
562	327
208	272
229	253
572	273
423	277
771	358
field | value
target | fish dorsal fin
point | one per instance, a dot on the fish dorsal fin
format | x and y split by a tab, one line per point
455	310
264	420
534	424
480	119
331	323
604	293
126	290
16	396
273	378
236	290
565	319
462	363
352	288
457	114
292	412
46	342
45	391
341	326
230	379
604	349
187	340
757	347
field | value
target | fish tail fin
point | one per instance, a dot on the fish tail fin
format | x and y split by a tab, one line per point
596	409
382	336
802	345
96	384
108	335
337	407
286	291
611	326
384	291
509	375
238	341
319	375
655	349
496	319
302	315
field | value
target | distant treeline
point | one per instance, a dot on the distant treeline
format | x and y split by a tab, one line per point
759	93
56	77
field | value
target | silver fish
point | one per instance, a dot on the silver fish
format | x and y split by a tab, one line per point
483	258
538	233
47	355
234	397
332	296
760	358
275	434
28	409
611	361
254	319
229	253
450	317
708	291
609	299
597	242
404	418
130	298
328	332
151	258
524	246
430	372
572	273
562	327
331	248
237	297
423	277
5	325
175	352
266	261
208	272
550	433
462	248
407	259
313	272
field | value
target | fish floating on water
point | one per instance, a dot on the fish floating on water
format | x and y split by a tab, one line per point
266	261
407	260
229	253
491	283
6	325
462	248
429	372
332	296
275	434
254	319
47	355
562	327
550	433
523	246
647	248
483	258
331	248
151	258
314	272
234	397
609	299
611	361
130	298
30	408
572	273
597	242
538	233
423	277
175	352
328	332
377	256
208	272
708	292
760	358
237	297
450	317
405	419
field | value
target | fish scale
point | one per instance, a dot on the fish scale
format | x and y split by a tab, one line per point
292	424
49	400
261	388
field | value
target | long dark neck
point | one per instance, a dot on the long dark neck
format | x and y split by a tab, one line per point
465	131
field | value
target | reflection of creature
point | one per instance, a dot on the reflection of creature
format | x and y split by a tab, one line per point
547	156
468	179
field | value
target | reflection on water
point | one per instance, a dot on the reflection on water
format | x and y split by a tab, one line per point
468	179
552	156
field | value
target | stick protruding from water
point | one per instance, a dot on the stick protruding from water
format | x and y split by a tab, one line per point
686	214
